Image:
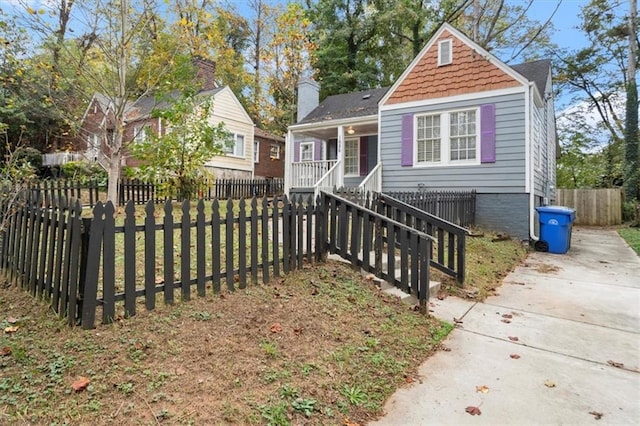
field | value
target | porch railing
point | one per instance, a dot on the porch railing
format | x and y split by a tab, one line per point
328	181
373	181
59	158
306	174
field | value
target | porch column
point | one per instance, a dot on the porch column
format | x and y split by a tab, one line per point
340	157
288	157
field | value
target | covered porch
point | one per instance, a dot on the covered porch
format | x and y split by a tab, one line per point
323	156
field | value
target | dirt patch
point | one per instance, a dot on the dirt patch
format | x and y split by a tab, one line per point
317	347
544	268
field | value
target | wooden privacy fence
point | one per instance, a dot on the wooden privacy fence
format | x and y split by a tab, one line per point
457	207
599	207
375	243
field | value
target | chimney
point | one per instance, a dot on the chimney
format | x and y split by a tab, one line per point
308	97
205	72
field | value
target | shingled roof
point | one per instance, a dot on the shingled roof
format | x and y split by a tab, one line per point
535	71
348	105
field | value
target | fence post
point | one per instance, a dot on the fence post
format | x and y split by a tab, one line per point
89	283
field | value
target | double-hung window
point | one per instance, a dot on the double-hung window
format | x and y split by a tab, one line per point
274	151
236	147
447	138
306	151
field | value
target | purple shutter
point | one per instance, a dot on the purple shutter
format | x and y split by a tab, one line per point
364	148
296	152
317	150
406	157
488	133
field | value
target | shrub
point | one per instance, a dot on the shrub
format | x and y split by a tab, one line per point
84	171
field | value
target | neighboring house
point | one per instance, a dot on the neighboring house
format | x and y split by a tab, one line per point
457	119
268	151
237	162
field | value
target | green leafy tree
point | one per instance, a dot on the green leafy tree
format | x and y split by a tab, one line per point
177	158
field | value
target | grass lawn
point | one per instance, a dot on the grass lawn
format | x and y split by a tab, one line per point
632	237
321	346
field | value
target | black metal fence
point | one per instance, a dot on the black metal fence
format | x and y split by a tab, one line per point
457	207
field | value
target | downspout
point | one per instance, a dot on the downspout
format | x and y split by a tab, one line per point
529	163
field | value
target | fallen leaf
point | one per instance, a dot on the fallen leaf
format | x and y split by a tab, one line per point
549	384
596	415
409	379
275	327
509	316
473	410
11	329
80	383
611	363
370	277
513	338
314	292
515	356
347	422
506	321
442	295
12	320
223	296
6	351
457	321
482	389
297	330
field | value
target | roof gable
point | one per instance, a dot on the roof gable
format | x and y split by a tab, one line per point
347	105
536	72
471	70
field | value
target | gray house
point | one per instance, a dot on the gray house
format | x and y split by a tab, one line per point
457	119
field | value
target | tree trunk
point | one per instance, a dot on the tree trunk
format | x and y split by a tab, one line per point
114	177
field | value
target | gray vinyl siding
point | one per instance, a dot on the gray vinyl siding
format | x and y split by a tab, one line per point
507	213
506	175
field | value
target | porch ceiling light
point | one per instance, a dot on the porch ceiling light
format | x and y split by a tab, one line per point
350	130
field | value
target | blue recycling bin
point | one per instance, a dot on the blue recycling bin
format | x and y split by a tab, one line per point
555	227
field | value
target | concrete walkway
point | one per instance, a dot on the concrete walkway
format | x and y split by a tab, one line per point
576	318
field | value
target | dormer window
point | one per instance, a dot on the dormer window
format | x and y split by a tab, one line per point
445	52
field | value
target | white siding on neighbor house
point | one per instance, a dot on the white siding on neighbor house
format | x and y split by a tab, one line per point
228	110
505	175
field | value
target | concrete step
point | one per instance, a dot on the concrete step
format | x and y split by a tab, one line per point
409	299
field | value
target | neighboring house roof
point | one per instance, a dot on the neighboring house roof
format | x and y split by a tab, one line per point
260	133
535	71
143	107
348	105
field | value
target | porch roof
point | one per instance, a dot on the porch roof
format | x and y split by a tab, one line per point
347	105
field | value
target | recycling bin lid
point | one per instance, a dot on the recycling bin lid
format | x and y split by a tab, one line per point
555	209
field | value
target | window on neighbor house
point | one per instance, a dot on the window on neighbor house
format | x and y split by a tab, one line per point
140	133
236	146
447	138
306	151
445	52
351	157
256	151
274	151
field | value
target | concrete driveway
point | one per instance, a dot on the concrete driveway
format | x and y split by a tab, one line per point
576	359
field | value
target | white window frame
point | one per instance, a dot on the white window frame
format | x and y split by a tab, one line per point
448	45
256	151
235	150
445	139
306	148
356	141
140	133
275	156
